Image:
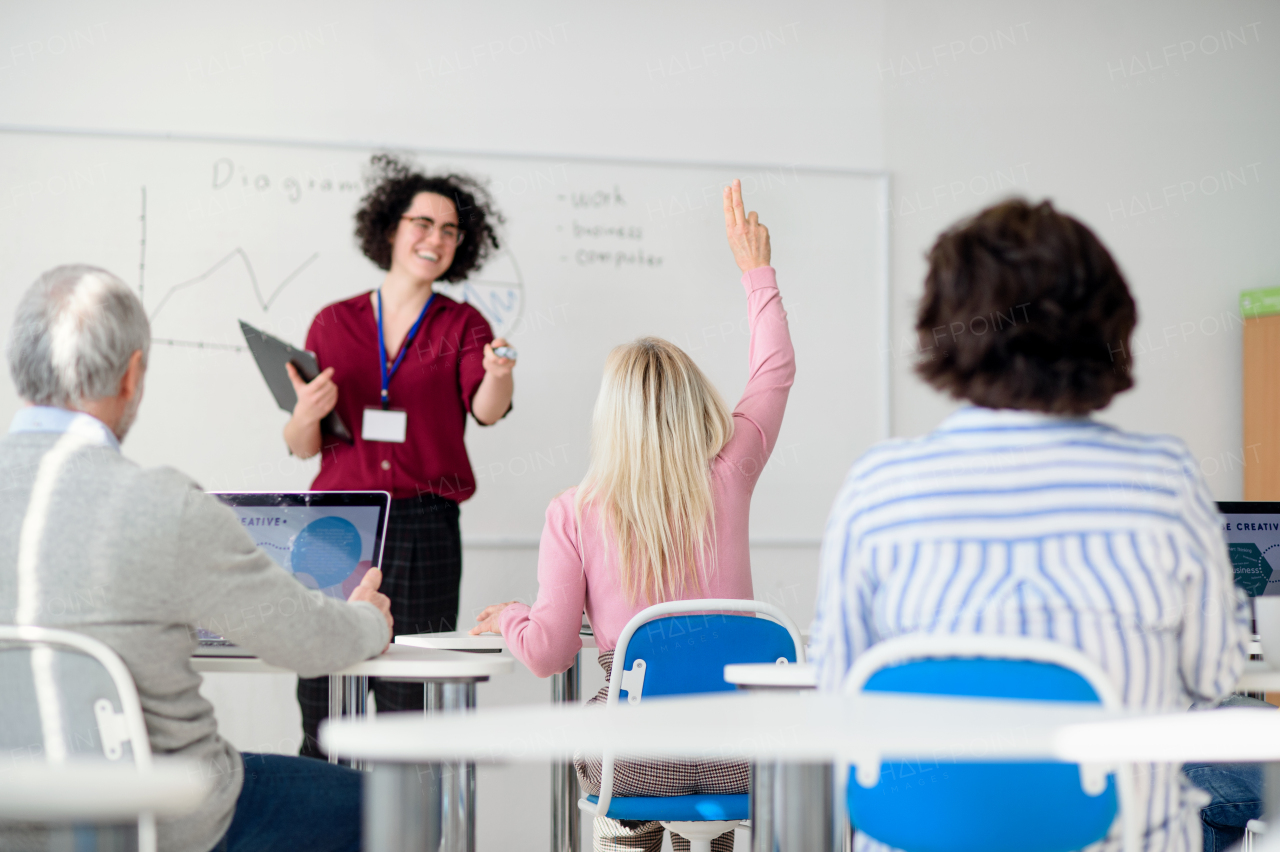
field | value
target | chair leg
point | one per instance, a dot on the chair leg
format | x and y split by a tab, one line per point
700	834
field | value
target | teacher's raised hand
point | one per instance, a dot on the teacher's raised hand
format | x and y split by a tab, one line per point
747	237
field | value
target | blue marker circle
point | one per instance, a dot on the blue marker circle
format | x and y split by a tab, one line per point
328	549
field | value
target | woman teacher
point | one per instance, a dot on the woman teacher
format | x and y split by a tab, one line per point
403	366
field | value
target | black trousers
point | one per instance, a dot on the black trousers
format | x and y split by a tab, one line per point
421	573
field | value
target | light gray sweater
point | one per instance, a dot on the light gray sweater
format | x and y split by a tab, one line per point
138	557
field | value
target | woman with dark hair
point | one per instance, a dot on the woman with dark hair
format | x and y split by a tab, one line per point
1020	515
411	364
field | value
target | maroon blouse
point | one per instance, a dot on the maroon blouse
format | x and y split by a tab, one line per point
435	383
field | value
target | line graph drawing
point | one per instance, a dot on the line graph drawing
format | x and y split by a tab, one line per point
200	344
238	252
499	296
253	279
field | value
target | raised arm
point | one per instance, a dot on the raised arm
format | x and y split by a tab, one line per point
772	364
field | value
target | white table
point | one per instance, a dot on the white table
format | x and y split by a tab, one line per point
790	726
773	826
566	688
449	684
1258	677
348	688
1231	734
98	791
399	661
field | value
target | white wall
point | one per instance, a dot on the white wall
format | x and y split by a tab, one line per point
715	81
961	101
1081	103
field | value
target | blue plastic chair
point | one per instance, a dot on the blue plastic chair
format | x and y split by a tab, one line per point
944	806
681	648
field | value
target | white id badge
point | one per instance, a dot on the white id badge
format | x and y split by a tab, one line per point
388	426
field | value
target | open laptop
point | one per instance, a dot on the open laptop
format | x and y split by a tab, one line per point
1253	538
326	539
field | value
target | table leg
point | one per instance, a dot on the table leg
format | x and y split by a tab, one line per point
348	696
455	783
792	808
566	688
401	809
763	807
1271	798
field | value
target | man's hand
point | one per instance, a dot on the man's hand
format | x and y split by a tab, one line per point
368	591
747	237
316	398
490	619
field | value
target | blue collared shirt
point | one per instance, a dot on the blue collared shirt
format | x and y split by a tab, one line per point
1017	523
44	418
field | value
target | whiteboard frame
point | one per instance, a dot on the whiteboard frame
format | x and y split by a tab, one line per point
881	176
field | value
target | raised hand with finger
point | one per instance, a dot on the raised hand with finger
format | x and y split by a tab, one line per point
748	239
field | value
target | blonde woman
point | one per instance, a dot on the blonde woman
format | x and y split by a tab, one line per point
661	515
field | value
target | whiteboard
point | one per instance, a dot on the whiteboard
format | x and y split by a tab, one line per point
594	253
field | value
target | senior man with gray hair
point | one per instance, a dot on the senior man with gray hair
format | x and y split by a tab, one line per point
159	557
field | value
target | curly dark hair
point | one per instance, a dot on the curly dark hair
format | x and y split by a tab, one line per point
394	185
1025	308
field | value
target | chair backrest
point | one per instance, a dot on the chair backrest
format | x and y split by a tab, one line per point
67	697
682	647
948	806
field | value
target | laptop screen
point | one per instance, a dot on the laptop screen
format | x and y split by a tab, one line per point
327	540
1253	539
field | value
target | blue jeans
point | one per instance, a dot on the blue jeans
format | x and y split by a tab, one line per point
292	803
1237	798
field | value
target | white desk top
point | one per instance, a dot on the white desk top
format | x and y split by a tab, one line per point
99	791
1258	677
1227	734
398	661
790	725
459	640
773	675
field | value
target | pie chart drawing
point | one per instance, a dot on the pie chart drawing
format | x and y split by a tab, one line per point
496	291
327	551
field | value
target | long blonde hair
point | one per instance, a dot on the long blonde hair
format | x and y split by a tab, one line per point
657	425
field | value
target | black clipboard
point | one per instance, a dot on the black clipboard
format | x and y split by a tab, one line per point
272	354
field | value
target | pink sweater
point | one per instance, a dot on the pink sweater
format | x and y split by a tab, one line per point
573	576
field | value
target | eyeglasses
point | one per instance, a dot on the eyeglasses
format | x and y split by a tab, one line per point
427	225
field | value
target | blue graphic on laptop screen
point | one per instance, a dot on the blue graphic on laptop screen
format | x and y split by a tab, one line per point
324	548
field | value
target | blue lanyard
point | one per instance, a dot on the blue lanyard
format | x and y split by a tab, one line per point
404	347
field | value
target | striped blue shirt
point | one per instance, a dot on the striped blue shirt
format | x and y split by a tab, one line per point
1019	523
